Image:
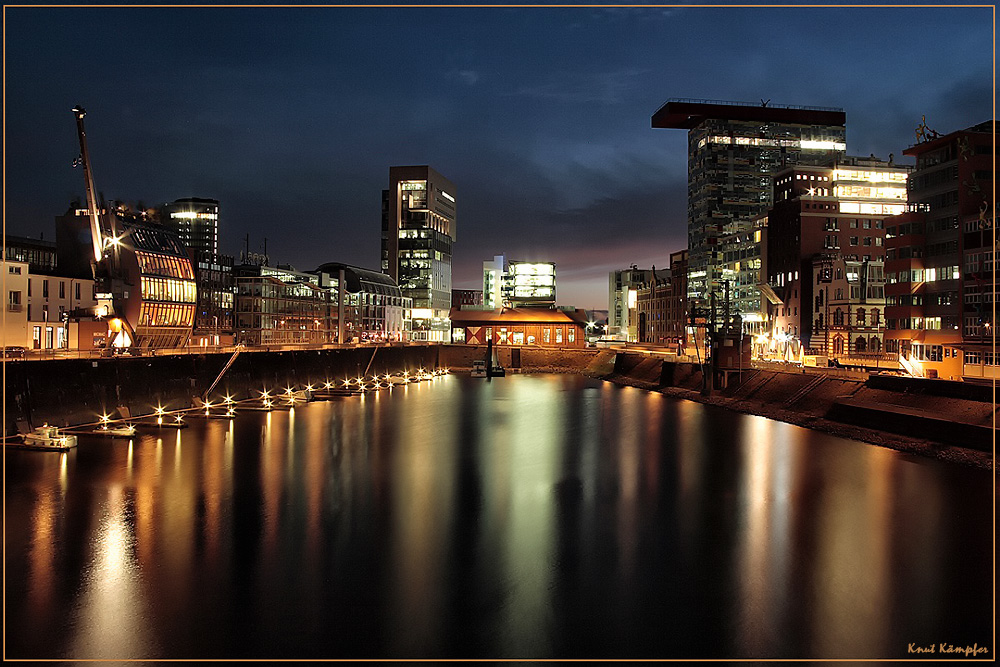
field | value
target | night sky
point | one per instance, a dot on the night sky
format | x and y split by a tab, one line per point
292	117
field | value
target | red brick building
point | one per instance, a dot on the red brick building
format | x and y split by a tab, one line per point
836	211
661	305
940	287
542	327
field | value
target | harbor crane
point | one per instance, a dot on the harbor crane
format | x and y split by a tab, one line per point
105	264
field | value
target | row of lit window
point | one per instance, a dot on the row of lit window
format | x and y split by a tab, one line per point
984	358
925	275
804	144
162	265
166	315
191	215
871	209
168	289
869	192
872	176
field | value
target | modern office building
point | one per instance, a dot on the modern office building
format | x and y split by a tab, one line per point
282	306
530	284
623	288
835	210
941	288
418	230
214	316
195	221
733	150
466	297
370	306
493	273
740	271
40	255
518	283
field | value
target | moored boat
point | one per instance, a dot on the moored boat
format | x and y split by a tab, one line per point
47	438
123	431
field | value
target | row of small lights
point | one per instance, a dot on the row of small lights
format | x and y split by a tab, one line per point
265	396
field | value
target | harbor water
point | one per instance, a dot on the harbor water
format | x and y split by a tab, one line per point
536	516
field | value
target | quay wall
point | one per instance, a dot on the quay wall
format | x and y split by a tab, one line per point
888	410
77	391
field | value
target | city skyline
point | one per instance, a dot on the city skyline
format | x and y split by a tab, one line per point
541	117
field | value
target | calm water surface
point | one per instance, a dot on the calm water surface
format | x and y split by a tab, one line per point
528	517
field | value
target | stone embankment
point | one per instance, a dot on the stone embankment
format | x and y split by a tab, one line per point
945	420
68	392
77	391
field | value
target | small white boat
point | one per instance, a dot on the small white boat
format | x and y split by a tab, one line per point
124	431
48	438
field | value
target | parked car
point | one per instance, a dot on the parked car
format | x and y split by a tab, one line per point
14	352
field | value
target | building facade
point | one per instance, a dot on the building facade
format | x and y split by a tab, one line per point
848	319
195	221
43	310
529	284
941	287
493	273
40	255
215	313
467	297
733	151
515	327
370	306
418	231
145	278
740	272
516	283
652	310
623	289
281	306
834	210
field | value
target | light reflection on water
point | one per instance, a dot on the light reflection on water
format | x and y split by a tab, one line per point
545	516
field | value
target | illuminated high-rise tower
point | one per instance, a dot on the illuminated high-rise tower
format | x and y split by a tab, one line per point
418	229
196	222
733	149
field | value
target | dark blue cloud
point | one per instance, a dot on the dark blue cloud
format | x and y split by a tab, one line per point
540	116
